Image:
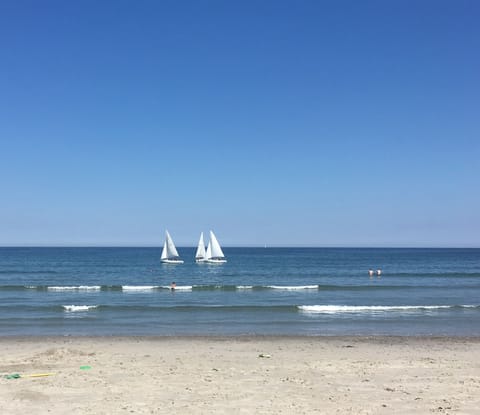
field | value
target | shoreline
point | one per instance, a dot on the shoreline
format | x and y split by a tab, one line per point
240	374
246	337
235	336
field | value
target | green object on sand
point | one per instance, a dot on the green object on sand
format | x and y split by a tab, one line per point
12	376
85	367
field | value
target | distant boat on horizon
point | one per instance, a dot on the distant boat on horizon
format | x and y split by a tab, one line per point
214	252
169	252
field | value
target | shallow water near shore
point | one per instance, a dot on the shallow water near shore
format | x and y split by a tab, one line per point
278	291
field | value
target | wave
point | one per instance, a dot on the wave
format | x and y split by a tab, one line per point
74	308
226	287
180	287
224	308
336	309
189	308
322	287
74	288
292	287
133	288
155	287
139	287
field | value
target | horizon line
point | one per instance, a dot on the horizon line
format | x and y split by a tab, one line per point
250	246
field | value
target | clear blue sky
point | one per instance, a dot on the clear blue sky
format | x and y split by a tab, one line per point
324	123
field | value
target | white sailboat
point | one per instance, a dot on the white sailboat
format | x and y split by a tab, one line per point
169	252
214	252
200	255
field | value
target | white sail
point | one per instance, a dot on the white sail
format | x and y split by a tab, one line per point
209	251
200	254
172	251
169	252
216	250
164	251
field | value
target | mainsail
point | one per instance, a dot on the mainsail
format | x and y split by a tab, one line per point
172	251
216	250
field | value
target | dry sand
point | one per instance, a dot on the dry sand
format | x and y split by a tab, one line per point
240	375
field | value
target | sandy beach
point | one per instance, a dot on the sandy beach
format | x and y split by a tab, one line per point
244	375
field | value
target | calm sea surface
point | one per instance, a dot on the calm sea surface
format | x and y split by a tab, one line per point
298	291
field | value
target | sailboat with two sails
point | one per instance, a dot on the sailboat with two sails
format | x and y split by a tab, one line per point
213	254
169	252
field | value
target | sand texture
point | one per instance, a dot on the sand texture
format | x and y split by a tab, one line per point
240	375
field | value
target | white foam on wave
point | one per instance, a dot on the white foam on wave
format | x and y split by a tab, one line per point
244	287
334	309
180	287
73	308
139	287
75	288
293	287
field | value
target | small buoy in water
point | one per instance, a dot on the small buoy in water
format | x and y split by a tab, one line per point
370	272
379	272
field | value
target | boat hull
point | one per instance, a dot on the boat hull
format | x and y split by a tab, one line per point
172	261
216	261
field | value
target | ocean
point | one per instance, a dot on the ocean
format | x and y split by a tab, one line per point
259	291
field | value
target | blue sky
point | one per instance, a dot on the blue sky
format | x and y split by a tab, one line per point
323	123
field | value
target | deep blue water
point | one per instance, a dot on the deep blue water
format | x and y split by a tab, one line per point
294	291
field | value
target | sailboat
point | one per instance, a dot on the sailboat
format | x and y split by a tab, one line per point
169	252
200	255
214	252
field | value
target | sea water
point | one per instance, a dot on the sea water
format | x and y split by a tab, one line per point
278	291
